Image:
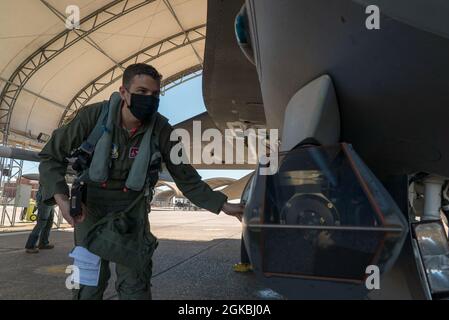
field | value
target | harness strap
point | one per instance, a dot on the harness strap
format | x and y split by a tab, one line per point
89	144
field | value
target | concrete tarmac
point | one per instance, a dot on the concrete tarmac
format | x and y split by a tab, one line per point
193	261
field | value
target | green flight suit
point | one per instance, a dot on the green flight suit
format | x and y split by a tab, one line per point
105	200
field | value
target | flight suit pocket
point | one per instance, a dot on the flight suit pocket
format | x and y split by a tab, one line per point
112	244
121	238
151	243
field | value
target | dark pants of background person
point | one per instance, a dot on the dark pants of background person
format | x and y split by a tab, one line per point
41	231
244	258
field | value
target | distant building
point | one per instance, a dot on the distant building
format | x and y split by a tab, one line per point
9	189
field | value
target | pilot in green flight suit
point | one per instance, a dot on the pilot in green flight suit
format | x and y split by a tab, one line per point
113	225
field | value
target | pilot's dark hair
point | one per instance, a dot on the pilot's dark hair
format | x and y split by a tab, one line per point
137	69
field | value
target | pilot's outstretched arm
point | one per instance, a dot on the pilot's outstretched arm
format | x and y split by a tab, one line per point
189	181
187	178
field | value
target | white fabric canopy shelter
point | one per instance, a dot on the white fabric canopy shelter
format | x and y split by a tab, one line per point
48	71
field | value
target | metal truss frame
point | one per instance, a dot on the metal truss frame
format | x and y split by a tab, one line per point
146	55
169	83
15	171
63	41
181	77
54	47
175	16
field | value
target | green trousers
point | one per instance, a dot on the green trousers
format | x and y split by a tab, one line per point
130	284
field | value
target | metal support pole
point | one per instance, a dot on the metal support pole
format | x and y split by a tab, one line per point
2	190
14	169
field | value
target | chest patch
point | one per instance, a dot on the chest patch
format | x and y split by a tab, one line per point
133	152
114	151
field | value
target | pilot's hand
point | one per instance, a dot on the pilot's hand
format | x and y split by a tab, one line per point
234	209
63	202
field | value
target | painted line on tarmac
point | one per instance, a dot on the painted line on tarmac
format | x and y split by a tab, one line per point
12	251
16	233
13	233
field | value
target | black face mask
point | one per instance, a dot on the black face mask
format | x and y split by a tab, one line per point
143	107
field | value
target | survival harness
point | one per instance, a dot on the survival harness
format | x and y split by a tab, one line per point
97	147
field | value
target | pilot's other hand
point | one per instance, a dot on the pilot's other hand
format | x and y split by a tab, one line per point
234	209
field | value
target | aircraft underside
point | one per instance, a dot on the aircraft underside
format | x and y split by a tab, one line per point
361	188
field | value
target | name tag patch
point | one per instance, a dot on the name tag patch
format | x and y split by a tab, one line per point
133	152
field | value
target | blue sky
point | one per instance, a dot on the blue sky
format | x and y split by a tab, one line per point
179	104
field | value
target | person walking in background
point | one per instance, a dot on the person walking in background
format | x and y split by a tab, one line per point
38	238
